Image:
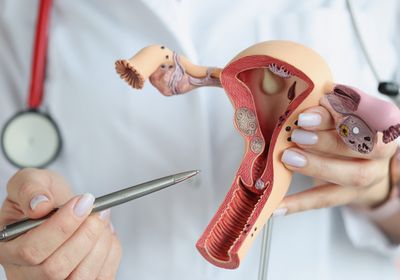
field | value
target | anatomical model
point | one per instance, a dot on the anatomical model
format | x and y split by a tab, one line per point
269	84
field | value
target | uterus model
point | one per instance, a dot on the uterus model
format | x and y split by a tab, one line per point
268	84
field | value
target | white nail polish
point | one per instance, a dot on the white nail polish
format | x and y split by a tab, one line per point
280	212
293	158
37	200
300	136
84	204
309	119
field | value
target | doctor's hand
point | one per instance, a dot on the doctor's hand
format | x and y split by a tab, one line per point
69	245
351	177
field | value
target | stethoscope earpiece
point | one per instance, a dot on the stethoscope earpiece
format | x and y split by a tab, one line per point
389	88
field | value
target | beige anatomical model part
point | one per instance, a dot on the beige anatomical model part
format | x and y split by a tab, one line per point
169	72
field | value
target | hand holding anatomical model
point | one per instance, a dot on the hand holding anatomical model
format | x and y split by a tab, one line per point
270	84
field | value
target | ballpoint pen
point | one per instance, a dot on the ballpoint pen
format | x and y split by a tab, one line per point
101	203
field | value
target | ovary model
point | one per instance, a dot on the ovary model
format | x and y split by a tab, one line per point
269	84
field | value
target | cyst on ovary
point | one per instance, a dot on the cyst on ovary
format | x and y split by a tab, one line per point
271	83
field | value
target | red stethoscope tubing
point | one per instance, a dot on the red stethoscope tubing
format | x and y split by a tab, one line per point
38	71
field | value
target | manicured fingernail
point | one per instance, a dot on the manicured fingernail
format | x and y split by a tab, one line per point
293	158
37	200
300	136
84	204
309	119
105	214
280	212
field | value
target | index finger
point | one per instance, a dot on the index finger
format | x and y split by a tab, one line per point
316	118
38	244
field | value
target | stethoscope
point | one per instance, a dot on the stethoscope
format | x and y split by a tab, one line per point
389	88
31	138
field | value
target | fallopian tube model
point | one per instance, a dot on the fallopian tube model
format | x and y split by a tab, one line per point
269	84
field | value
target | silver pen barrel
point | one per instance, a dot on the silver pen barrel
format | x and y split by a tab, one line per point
16	229
125	195
101	203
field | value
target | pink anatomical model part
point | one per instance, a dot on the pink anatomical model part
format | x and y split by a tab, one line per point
268	84
360	116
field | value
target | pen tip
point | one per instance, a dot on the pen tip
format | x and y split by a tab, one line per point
185	175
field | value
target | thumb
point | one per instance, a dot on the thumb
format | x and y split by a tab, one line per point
37	192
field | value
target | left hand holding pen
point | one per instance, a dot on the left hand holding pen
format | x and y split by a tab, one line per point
352	177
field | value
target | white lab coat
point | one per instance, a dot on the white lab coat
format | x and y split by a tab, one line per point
115	136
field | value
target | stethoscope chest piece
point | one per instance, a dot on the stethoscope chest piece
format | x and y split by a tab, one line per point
31	139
